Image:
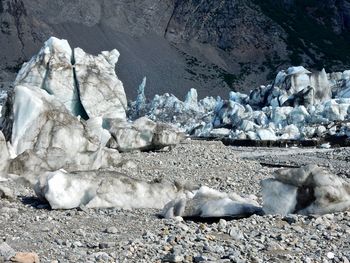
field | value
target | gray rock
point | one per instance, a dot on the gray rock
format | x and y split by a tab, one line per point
111	230
235	233
173	258
6	251
6	193
291	219
105	245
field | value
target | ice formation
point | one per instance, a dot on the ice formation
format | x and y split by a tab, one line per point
104	189
143	134
141	98
78	80
207	202
101	92
306	190
110	189
297	106
55	116
66	120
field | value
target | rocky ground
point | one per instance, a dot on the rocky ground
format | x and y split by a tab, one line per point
116	235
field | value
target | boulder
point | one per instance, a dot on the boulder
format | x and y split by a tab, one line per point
207	202
103	189
305	190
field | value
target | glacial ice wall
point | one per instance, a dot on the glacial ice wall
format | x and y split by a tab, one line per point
297	105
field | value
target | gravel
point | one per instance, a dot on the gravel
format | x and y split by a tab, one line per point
118	235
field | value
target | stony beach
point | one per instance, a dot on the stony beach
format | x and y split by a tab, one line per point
140	235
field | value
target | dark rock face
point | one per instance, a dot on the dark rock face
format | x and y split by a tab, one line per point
213	46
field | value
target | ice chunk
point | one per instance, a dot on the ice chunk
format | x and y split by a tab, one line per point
102	189
305	190
208	202
266	134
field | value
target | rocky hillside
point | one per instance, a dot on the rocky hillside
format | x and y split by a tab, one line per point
213	46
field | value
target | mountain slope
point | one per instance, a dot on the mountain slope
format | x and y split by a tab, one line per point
213	46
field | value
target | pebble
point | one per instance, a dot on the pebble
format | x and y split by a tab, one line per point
120	235
111	230
330	255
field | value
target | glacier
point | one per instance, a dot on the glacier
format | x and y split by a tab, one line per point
67	120
298	105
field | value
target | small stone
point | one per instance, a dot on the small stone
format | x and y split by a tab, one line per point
101	256
298	229
6	251
105	245
222	225
59	242
172	258
330	255
167	248
21	257
77	244
291	219
199	258
111	230
235	233
178	218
